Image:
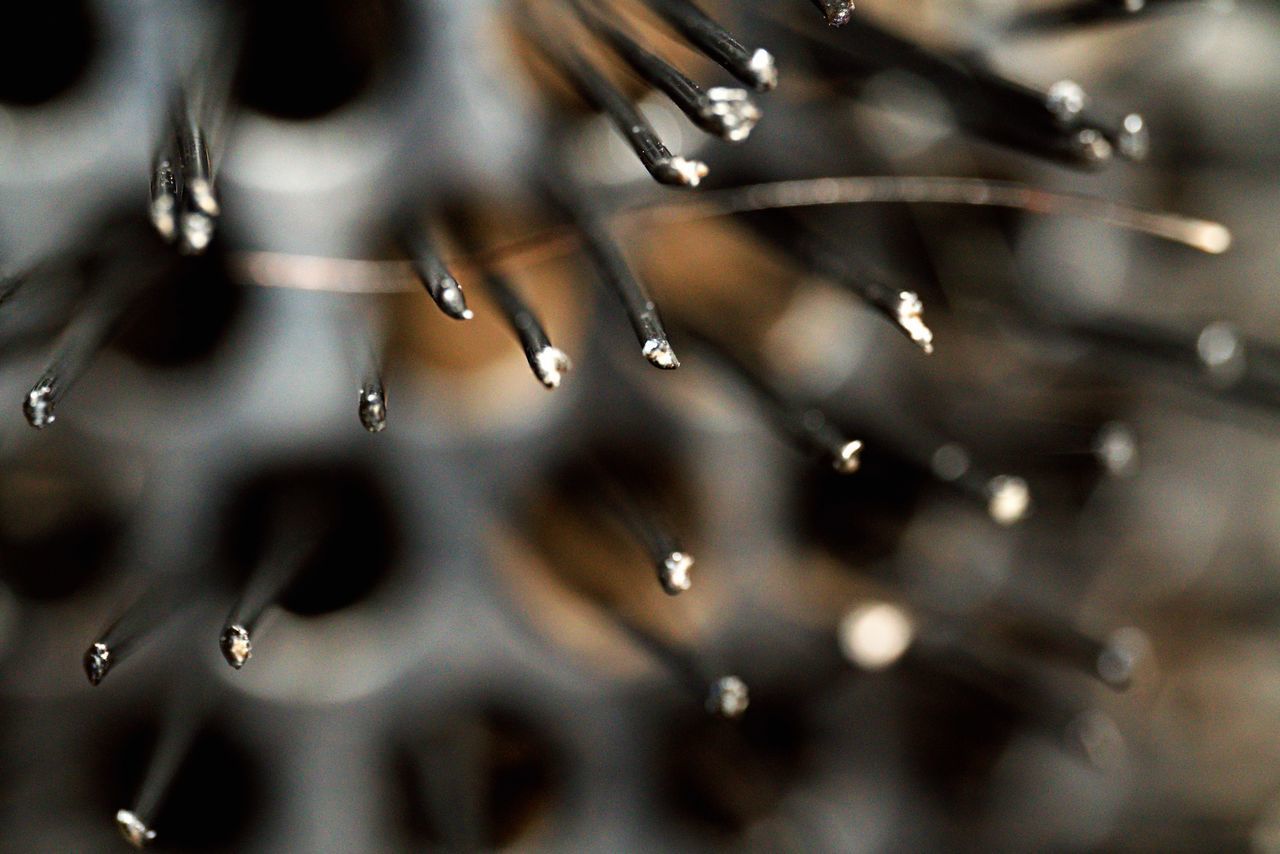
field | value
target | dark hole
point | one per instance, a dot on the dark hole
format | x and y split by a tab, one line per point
303	59
958	721
481	781
55	539
212	803
861	518
184	318
45	49
723	776
335	523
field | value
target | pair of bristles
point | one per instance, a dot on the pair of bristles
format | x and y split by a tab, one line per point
1058	123
184	200
726	113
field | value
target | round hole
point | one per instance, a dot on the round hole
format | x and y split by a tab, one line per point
861	518
723	776
477	780
45	49
339	518
303	59
183	319
55	535
213	801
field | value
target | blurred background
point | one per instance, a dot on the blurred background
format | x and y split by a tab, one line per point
1041	615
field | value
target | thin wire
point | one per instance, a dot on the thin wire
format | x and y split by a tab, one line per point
273	269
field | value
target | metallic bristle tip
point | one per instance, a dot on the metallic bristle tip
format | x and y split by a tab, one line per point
97	663
164	219
1093	146
840	16
197	232
910	316
848	458
550	365
675	573
1119	659
1009	499
658	351
132	828
38	407
682	172
236	646
728	698
1134	141
453	303
732	112
203	198
764	69
164	204
373	409
1066	100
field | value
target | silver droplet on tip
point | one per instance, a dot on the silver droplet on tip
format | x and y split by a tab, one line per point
236	646
97	663
674	574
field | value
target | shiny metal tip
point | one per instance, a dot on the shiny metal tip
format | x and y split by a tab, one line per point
1009	499
731	112
236	646
728	698
134	831
196	232
674	573
97	663
453	303
202	197
1066	100
841	16
373	408
847	459
681	172
1094	146
764	69
38	407
659	353
550	365
1135	140
910	317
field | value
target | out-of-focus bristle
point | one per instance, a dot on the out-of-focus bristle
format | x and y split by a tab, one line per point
728	698
1010	499
675	573
134	829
